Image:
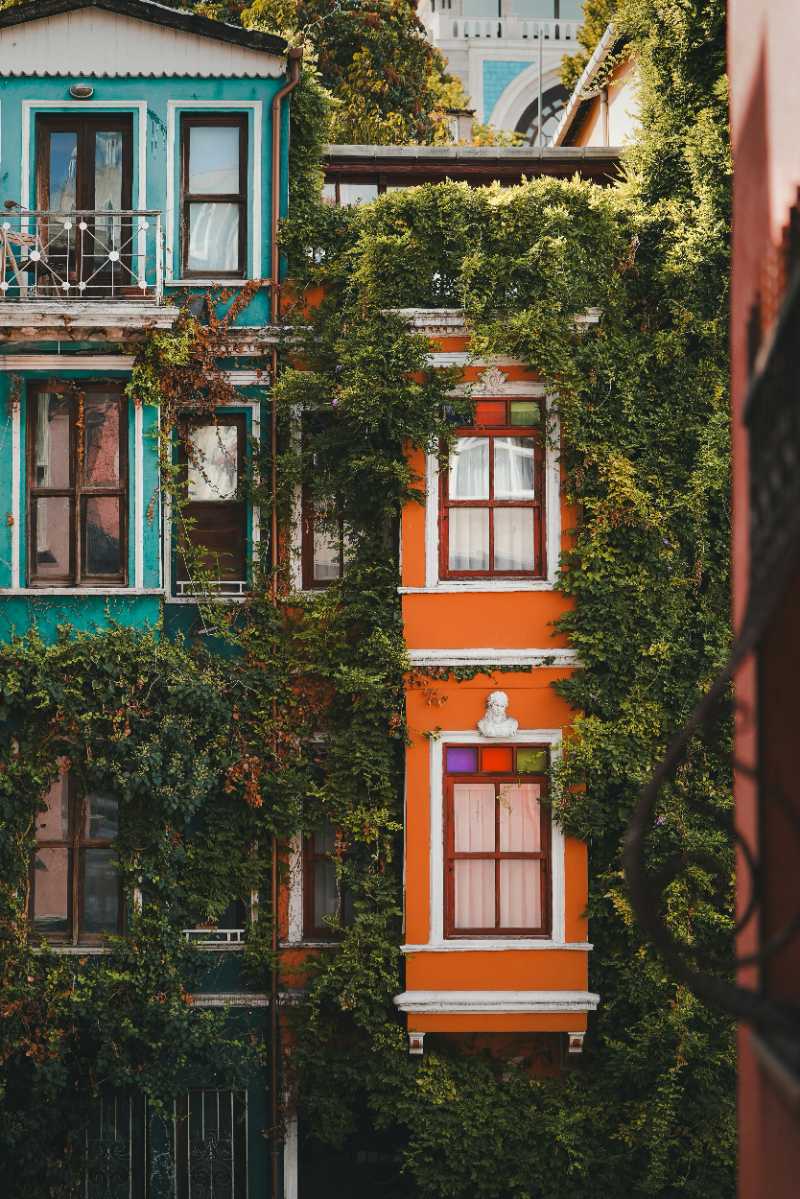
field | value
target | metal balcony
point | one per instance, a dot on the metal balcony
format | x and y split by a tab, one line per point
81	256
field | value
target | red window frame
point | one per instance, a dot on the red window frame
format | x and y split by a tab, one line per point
446	504
542	855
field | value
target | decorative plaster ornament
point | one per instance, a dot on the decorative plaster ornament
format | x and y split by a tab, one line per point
492	380
496	722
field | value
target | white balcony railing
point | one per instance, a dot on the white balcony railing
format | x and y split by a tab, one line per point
444	27
77	256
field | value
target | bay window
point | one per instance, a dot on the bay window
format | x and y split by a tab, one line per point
497	841
77	484
492	509
75	887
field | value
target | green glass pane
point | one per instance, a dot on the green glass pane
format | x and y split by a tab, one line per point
531	761
525	412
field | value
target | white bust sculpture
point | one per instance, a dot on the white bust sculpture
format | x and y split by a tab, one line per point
496	722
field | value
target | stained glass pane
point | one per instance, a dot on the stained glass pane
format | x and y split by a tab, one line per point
490	412
462	760
102	535
525	412
497	759
532	761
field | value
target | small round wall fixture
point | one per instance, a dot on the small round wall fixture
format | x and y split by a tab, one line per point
81	91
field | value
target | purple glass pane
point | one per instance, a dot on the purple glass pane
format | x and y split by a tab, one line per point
462	761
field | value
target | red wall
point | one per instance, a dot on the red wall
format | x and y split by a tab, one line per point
764	68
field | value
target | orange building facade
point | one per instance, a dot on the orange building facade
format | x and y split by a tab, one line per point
495	936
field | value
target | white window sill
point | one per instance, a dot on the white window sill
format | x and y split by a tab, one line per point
221	283
125	592
454	586
478	945
74	950
496	1001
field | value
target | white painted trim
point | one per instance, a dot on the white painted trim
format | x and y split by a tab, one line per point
75	950
138	495
256	168
464	358
16	436
497	1001
33	105
230	999
295	906
66	362
549	737
108	592
478	945
290	1158
552	515
493	657
511	388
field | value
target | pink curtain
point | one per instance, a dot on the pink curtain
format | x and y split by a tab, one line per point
474	821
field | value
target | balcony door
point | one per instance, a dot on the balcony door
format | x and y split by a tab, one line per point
84	173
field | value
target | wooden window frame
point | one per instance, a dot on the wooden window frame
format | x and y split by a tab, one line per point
75	843
537	504
78	491
544	855
85	199
311	931
214	120
237	420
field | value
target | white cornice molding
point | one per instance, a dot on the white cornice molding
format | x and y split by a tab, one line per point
496	1001
494	657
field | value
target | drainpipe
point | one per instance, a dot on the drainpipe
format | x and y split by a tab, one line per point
295	57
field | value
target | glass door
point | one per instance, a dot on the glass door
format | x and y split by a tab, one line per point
84	173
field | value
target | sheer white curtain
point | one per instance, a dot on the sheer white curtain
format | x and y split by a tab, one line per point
474	832
469	469
520	832
513	468
513	539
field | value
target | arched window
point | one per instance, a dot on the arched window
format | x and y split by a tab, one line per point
553	102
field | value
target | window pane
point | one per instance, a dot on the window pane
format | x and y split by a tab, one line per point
101	814
213	237
100	886
520	894
107	192
327	558
63	170
513	468
51	452
496	760
513	539
326	896
329	193
52	517
474	894
213	463
531	761
520	818
53	825
473	817
490	412
102	543
323	839
525	412
214	160
357	193
469	469
469	538
51	891
462	761
101	440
